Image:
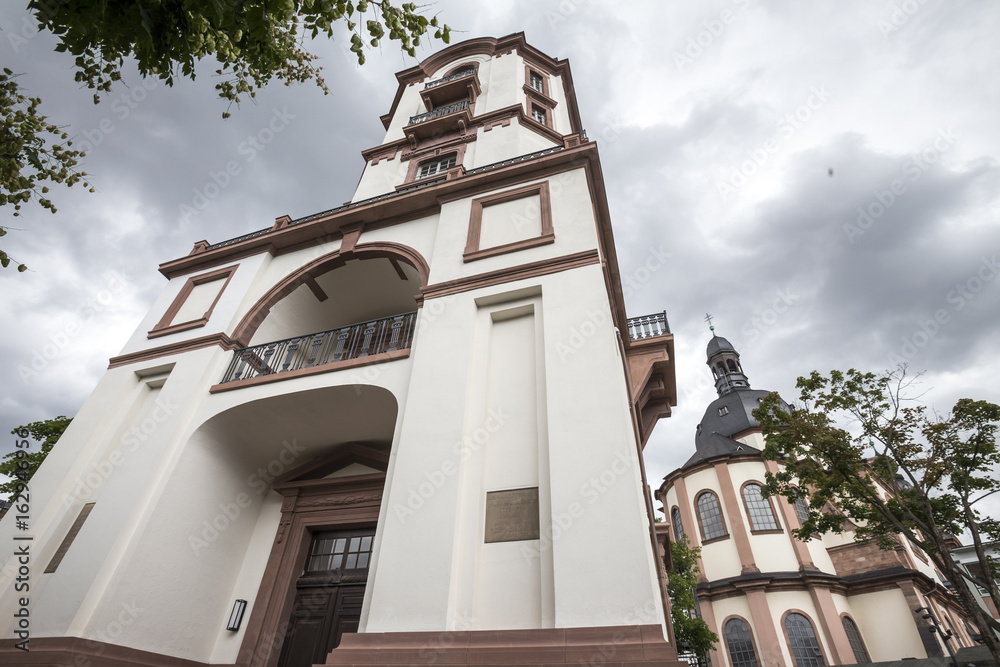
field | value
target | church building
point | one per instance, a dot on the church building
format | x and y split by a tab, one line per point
404	430
778	601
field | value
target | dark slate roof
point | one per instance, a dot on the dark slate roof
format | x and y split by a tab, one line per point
718	445
717	344
714	434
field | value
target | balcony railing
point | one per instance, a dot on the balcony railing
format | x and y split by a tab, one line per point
457	75
326	347
648	326
437	113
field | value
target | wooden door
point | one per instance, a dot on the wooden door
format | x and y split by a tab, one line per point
329	595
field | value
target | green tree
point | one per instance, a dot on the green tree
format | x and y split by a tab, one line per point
689	630
252	41
21	464
899	470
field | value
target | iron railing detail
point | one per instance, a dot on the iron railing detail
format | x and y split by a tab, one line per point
514	160
437	113
456	75
648	326
354	341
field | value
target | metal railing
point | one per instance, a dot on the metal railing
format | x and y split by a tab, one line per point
456	75
354	341
437	113
648	326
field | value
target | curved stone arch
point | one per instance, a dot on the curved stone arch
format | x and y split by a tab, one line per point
259	311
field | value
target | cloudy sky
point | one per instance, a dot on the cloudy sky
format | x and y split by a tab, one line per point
824	177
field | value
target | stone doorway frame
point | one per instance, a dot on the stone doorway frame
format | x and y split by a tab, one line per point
312	503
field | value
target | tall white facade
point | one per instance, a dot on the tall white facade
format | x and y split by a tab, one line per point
409	427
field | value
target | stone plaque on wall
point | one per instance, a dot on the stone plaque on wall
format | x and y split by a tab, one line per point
512	515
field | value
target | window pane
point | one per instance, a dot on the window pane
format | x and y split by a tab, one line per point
854	636
363	560
740	644
536	82
758	509
801	509
352	561
337	560
675	518
711	517
366	544
804	644
339	548
538	114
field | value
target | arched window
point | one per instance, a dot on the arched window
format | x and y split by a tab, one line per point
740	644
801	509
722	369
710	516
857	644
802	640
675	519
759	509
732	366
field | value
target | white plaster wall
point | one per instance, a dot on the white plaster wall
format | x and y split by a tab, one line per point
572	221
772	552
378	179
887	626
596	496
228	304
721	558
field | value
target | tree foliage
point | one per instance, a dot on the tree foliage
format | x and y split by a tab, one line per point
252	41
21	464
689	629
899	470
33	152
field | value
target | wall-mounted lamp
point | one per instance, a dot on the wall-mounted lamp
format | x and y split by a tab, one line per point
236	617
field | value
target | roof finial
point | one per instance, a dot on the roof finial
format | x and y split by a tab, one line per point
708	318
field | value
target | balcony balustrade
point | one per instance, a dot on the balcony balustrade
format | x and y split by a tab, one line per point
648	326
354	341
460	85
450	118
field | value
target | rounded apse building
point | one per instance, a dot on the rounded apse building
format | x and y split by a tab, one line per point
774	599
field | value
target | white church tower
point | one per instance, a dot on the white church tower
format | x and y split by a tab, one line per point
405	430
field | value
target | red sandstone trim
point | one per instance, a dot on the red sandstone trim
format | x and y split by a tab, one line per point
472	249
164	326
220	339
313	370
510	274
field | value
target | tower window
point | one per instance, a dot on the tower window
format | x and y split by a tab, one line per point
538	114
710	517
535	81
723	411
732	366
759	509
435	167
740	644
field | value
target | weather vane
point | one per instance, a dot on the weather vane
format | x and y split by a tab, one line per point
708	318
